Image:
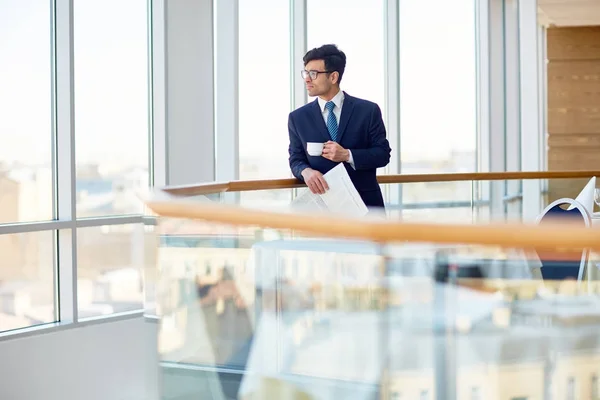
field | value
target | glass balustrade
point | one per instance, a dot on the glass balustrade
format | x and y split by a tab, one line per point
253	313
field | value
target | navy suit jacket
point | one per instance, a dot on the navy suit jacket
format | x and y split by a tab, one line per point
361	130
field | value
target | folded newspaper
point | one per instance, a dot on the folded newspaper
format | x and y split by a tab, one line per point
341	198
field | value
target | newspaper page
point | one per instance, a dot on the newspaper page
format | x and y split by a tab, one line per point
308	201
341	198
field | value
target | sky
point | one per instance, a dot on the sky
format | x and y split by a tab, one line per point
437	45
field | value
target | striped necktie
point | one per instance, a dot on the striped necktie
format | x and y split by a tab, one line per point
332	124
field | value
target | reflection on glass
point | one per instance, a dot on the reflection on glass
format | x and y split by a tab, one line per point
25	111
111	261
205	296
111	105
26	279
270	317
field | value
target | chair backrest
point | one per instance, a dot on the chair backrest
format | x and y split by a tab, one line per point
564	265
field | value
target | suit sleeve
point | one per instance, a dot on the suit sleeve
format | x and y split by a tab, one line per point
298	161
378	154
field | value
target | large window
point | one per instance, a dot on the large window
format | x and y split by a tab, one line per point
437	86
27	279
264	95
25	111
27	258
111	105
107	100
357	27
112	150
264	88
438	114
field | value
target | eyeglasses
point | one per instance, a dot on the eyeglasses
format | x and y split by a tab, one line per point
312	73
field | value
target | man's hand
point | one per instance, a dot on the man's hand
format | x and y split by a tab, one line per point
315	181
334	152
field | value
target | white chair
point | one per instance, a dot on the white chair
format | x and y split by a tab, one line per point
572	211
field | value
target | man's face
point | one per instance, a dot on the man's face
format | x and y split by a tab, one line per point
323	83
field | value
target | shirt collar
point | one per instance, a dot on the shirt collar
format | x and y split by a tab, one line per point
338	100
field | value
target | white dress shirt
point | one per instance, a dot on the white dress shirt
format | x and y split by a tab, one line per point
338	100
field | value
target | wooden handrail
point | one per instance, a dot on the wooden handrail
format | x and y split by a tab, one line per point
273	184
384	231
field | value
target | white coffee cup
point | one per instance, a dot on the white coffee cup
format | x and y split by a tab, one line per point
314	148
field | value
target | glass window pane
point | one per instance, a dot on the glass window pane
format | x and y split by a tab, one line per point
358	28
111	261
437	86
264	88
111	105
438	118
25	111
27	279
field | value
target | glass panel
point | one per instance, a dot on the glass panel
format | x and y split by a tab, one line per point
482	201
111	260
250	313
441	202
27	279
483	317
263	135
25	111
279	198
111	105
245	301
437	100
357	28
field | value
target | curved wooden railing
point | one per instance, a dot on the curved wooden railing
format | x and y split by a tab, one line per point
509	235
384	231
273	184
377	230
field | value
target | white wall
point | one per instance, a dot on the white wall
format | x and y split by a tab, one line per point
103	361
185	63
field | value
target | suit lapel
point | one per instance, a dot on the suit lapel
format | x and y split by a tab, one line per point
347	109
315	112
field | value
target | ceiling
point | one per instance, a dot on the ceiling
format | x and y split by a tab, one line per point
569	12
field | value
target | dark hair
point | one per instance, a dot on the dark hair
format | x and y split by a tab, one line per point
334	58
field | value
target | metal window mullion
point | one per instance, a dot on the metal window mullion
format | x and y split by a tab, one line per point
226	90
482	43
299	34
9	229
158	93
530	107
392	95
65	161
299	47
512	103
103	221
481	191
496	79
512	99
543	102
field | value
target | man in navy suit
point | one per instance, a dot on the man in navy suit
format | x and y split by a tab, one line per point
351	129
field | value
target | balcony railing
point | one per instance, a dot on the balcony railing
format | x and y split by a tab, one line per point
260	301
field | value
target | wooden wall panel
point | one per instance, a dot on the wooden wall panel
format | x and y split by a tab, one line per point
573	104
574	43
573	83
